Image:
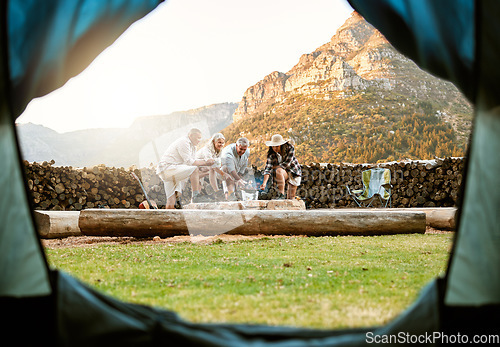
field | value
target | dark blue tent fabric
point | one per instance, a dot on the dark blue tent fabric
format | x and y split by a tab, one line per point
43	44
438	35
51	41
459	40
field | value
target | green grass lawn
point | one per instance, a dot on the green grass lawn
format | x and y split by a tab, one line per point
320	282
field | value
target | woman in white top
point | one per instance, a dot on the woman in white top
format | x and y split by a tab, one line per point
212	150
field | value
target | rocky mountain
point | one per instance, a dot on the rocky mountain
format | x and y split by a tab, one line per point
352	89
354	99
140	144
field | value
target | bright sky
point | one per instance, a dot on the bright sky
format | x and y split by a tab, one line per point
188	54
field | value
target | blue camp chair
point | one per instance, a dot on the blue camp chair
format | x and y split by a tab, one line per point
376	184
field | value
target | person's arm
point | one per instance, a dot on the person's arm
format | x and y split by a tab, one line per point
238	180
189	158
203	158
227	159
267	171
270	165
203	162
264	182
225	175
235	175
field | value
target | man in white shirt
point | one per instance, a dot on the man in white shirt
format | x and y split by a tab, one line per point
235	161
179	163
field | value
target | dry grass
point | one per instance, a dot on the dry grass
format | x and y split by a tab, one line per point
320	282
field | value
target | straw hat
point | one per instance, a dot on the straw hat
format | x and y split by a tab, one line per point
276	140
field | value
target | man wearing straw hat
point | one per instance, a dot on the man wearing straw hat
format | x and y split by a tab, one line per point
282	164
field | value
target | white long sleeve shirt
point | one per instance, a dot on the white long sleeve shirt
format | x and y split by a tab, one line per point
180	152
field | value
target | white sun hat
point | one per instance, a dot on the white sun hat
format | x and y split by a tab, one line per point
276	140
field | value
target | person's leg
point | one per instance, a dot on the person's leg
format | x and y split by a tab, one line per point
217	194
170	202
212	177
291	191
293	183
195	181
169	189
196	188
174	180
281	177
203	173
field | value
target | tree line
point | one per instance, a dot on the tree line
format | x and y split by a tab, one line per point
361	128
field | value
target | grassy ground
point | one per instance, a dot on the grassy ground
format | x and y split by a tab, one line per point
323	282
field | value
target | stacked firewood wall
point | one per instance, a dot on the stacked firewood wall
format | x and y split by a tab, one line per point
433	183
67	188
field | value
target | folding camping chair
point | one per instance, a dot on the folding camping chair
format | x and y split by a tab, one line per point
376	184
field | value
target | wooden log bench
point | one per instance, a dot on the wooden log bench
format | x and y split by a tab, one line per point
57	224
168	223
250	205
442	218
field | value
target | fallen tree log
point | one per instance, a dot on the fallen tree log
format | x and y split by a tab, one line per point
249	205
168	223
442	218
57	224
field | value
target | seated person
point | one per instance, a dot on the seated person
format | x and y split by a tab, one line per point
178	164
282	164
234	162
213	150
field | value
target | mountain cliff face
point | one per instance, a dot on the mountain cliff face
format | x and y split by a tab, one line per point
356	58
357	74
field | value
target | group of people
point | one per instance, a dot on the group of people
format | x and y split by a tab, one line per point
229	164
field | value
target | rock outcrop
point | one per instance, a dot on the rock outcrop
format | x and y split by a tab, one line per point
356	58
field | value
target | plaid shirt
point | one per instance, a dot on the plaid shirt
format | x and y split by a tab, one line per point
288	162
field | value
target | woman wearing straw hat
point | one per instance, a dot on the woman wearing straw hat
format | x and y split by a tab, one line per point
282	164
